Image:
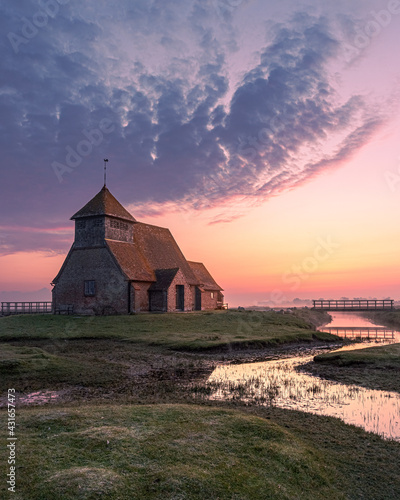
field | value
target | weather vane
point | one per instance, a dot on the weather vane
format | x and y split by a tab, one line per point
105	170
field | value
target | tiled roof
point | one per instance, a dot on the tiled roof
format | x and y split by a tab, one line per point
161	250
131	261
164	278
153	256
203	276
103	203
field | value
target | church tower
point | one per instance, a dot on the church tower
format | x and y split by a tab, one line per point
103	217
91	280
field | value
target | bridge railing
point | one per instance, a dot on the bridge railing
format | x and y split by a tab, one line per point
353	305
9	308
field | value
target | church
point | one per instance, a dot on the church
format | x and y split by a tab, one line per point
118	265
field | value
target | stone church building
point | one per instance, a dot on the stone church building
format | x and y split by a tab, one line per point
118	265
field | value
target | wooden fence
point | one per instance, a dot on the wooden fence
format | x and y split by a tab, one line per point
9	308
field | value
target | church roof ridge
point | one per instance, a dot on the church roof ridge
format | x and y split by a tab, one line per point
104	203
203	275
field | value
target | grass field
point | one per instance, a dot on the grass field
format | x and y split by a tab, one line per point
113	355
197	452
191	332
128	427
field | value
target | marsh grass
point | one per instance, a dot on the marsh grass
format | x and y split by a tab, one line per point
98	446
379	357
252	391
140	356
261	384
375	367
192	452
29	368
189	332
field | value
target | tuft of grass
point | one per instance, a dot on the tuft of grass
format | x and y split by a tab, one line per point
85	483
33	368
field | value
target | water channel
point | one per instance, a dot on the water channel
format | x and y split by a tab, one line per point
278	382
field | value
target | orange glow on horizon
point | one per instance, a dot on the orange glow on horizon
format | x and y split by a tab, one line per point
29	271
333	236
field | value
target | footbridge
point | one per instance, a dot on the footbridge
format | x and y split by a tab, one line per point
353	305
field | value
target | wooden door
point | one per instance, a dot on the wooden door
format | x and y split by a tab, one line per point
180	297
197	299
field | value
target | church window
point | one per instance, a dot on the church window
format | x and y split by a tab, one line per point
90	288
118	225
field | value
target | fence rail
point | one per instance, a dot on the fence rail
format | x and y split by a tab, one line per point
9	308
353	305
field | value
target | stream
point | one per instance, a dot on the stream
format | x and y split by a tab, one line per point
278	383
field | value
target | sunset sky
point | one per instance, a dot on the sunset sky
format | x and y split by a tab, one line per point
265	135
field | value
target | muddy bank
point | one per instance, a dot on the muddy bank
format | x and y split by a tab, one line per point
135	374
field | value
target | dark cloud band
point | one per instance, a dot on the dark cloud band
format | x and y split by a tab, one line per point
85	87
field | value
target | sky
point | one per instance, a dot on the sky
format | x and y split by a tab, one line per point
263	134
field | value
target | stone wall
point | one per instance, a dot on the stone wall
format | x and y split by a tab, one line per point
210	298
96	264
91	231
119	230
140	298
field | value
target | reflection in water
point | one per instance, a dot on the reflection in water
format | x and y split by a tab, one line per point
352	325
352	332
349	319
278	383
